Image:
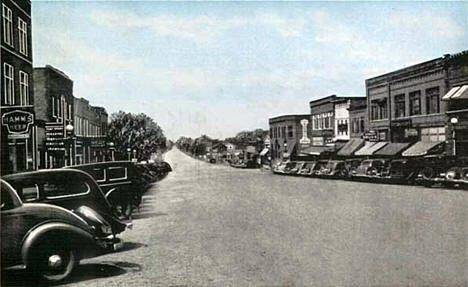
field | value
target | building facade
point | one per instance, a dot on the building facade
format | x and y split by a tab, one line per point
70	130
287	134
18	132
358	118
90	131
406	105
53	93
331	120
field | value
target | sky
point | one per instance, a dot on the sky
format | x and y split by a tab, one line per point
218	68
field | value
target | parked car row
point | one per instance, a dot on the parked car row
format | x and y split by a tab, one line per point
53	218
428	170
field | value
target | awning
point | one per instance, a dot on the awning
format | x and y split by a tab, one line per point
363	150
376	148
264	152
317	150
392	149
351	146
421	148
456	93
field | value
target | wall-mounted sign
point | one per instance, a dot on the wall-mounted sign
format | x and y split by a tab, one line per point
317	141
54	137
17	122
304	139
370	136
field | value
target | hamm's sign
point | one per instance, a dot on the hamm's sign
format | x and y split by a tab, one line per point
17	122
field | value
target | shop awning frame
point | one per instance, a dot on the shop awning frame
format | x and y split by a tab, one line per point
421	148
351	147
456	93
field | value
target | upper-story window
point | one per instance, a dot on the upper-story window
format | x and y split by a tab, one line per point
8	84
432	100
23	36
24	88
379	109
415	103
7	16
400	106
290	132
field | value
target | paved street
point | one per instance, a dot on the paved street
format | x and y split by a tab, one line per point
212	225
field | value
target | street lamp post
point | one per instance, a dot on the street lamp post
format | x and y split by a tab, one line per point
112	149
69	139
454	121
129	151
134	154
285	148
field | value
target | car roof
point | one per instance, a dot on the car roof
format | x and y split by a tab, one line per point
41	172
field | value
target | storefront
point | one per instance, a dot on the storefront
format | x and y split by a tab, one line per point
18	139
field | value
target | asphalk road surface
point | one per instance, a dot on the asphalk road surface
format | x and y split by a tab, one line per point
213	225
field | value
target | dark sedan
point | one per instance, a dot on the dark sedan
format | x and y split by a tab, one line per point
45	239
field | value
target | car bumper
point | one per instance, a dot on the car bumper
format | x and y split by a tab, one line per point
109	244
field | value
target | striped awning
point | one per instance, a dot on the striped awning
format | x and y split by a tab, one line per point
421	148
362	151
351	146
370	149
456	93
317	150
392	149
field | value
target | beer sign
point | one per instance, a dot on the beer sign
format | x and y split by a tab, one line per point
17	122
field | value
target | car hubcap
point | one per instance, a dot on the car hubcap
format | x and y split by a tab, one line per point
55	261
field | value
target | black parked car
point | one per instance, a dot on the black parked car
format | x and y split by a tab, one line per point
402	171
307	168
42	238
371	168
74	190
333	169
121	182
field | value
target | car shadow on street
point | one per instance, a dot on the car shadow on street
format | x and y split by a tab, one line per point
127	246
143	215
82	272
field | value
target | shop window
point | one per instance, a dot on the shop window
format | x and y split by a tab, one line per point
23	36
432	100
24	88
415	103
9	84
362	124
7	16
400	106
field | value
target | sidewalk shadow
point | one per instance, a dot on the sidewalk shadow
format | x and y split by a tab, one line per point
143	215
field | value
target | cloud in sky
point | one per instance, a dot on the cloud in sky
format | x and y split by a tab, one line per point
218	69
200	29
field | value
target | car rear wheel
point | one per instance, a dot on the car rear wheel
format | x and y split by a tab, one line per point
53	262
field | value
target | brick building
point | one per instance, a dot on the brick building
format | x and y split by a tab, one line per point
406	105
53	94
287	134
90	132
18	132
70	130
331	120
358	118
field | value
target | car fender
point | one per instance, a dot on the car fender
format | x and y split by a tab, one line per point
76	235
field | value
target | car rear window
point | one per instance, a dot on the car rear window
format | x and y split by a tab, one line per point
116	173
29	193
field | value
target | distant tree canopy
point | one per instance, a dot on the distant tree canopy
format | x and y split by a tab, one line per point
136	132
243	139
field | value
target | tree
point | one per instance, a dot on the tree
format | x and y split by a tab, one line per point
136	132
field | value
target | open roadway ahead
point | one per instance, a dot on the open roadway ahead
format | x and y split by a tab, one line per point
213	225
